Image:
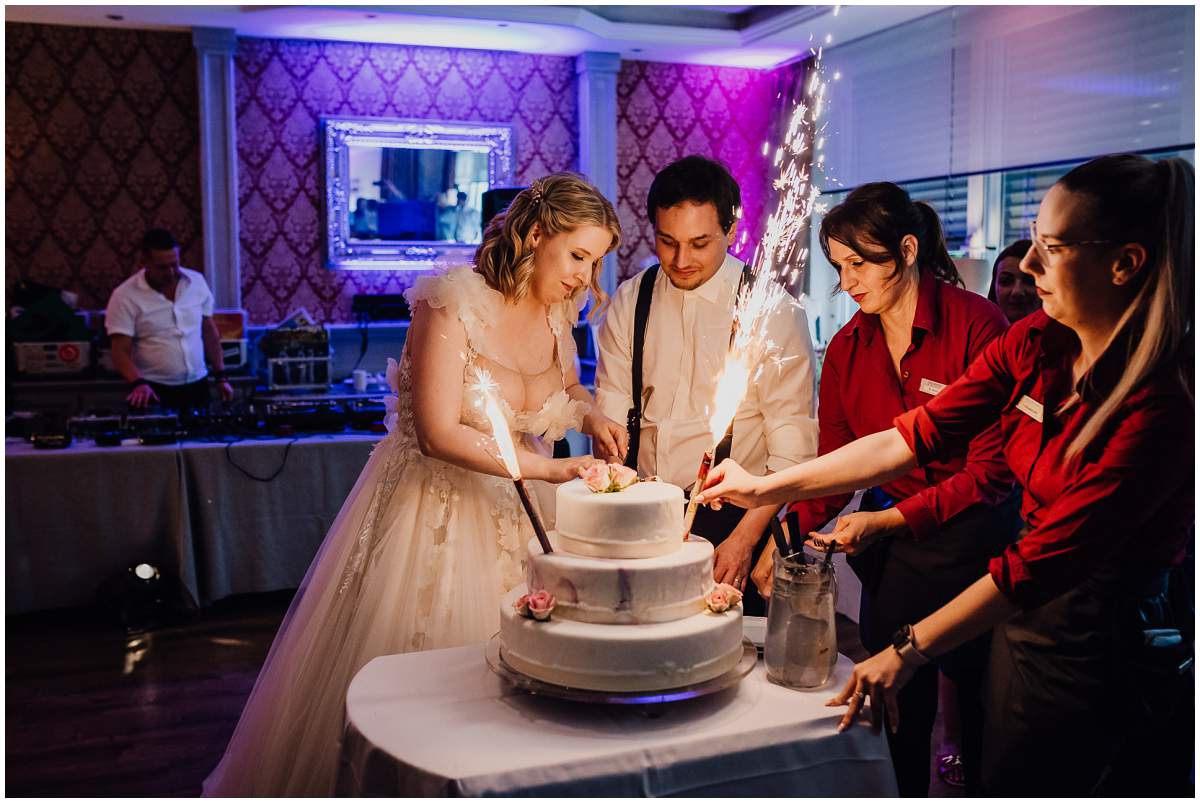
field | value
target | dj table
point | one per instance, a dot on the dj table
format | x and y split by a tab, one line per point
225	518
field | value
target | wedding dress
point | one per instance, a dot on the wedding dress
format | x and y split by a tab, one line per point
417	559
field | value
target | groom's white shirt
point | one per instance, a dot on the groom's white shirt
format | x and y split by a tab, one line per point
687	338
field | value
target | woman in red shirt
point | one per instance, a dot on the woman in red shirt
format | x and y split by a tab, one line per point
1012	290
1094	399
923	537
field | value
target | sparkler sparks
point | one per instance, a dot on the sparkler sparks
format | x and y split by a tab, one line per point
781	252
488	390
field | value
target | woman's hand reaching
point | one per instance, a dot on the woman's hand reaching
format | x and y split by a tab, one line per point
729	482
879	678
854	532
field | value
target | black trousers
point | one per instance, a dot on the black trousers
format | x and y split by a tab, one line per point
716	525
1077	707
903	582
190	396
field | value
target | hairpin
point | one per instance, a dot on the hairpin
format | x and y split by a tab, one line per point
535	194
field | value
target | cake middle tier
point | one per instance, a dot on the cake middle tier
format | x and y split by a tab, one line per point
624	658
624	590
644	520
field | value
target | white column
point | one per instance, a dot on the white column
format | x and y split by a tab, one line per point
597	73
215	48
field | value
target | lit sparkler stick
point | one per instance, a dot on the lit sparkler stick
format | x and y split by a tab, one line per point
774	262
508	455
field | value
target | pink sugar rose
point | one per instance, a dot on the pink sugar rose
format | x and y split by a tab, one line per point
541	603
722	598
622	476
717	600
596	477
735	596
521	606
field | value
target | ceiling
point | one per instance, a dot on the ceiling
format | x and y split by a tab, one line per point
737	35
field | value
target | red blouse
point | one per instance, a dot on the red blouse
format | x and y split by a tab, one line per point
1127	499
861	394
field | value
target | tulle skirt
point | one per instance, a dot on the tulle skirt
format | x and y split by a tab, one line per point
417	559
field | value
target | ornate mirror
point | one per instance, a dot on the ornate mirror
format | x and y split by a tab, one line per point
407	194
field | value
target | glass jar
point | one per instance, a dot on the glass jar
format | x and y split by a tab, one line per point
801	644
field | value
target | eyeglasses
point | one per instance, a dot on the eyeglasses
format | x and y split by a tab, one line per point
1046	250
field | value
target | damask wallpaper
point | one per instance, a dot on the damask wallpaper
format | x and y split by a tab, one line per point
101	141
285	86
667	111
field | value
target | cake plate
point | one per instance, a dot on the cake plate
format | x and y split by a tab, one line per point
523	682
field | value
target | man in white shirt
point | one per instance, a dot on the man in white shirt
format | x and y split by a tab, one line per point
160	323
693	205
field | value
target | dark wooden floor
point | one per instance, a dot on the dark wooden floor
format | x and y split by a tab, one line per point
88	715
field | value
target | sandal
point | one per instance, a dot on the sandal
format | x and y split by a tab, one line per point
950	770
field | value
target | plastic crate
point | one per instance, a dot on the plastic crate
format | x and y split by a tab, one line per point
68	357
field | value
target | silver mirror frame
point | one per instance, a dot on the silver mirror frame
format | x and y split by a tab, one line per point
339	133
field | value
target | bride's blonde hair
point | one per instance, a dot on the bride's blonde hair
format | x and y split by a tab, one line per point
560	202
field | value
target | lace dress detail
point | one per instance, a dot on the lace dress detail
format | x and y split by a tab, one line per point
418	558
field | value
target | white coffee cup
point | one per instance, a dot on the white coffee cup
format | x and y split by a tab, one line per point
360	380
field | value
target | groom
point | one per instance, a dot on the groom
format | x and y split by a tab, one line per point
662	347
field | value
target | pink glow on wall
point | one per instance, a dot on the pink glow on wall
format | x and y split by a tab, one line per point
667	111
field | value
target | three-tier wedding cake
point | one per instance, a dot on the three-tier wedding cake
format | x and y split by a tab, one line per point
623	603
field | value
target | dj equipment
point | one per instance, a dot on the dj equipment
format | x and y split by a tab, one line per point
51	440
365	414
305	416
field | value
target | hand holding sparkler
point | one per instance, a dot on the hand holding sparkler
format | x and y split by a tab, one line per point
730	483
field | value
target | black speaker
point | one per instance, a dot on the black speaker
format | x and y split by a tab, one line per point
496	201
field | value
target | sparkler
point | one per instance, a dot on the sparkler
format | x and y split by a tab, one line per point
508	456
775	263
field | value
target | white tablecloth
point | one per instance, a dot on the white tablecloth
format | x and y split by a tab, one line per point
440	723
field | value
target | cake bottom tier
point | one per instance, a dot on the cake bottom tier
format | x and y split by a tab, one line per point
602	657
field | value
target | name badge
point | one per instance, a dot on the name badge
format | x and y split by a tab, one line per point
931	387
1030	408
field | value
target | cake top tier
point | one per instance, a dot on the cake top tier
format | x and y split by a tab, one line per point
641	521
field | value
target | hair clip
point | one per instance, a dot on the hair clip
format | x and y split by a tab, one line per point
535	194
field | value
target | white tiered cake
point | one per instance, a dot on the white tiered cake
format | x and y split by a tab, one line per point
630	611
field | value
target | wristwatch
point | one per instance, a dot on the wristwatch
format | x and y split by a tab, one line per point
906	648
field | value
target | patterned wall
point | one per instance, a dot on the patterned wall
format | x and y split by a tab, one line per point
101	142
667	111
285	86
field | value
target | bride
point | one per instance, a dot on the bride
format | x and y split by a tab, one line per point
433	532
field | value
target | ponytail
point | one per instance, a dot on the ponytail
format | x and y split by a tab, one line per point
1132	199
932	254
883	214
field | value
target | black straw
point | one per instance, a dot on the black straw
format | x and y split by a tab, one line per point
781	543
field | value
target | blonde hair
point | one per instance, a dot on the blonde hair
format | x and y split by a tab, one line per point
558	203
1132	199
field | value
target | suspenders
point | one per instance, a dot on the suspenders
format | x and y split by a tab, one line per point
641	316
